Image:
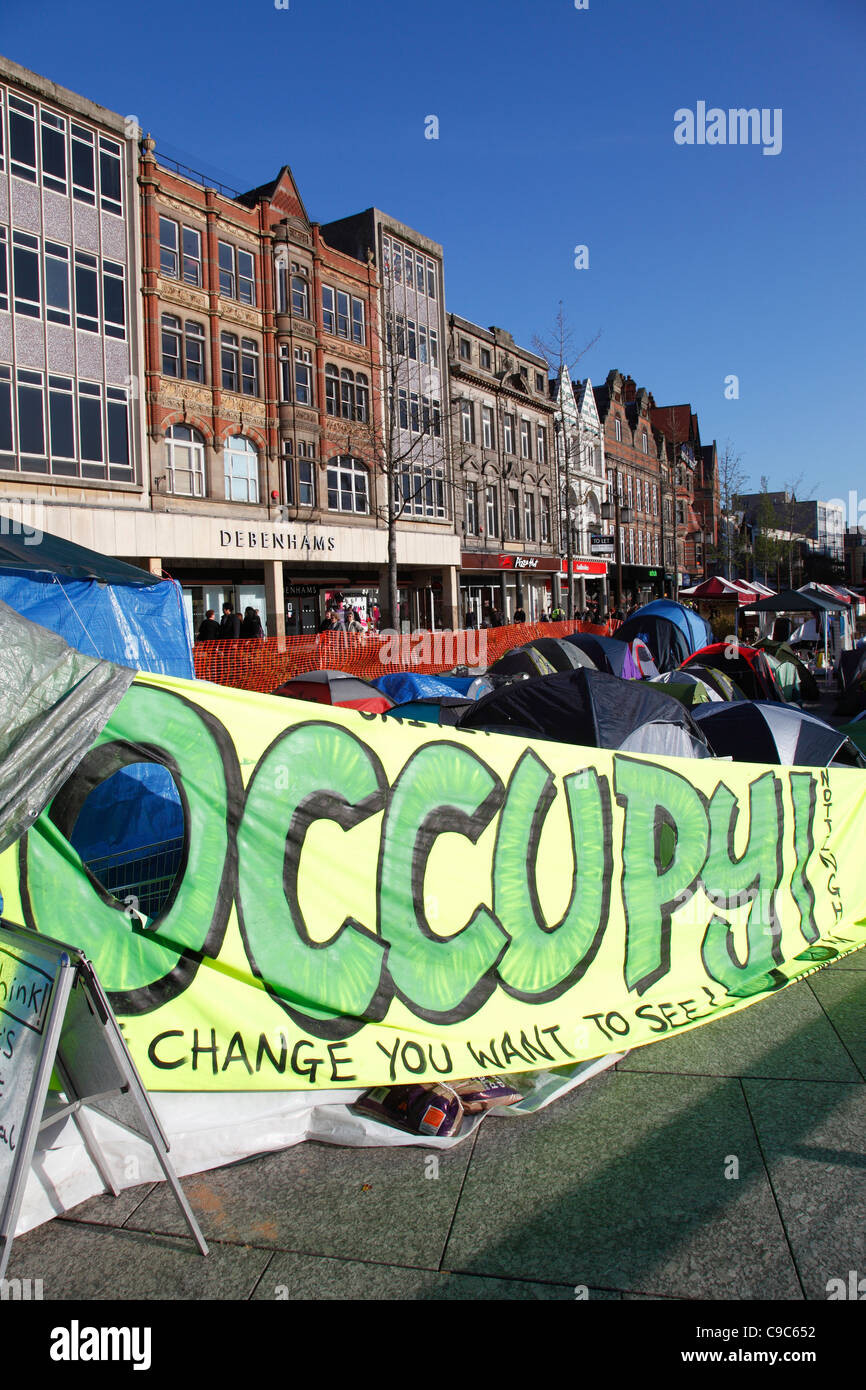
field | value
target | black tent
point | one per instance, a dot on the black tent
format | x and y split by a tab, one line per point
755	731
593	709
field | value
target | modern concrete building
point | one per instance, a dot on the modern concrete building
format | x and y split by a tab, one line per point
504	473
71	351
413	447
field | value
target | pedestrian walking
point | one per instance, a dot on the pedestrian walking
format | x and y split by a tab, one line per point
209	629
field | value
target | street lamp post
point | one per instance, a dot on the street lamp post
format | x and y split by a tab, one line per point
622	516
564	450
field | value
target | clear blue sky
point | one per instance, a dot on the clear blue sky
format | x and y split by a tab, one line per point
556	129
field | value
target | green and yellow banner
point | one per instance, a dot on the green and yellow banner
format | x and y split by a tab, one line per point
363	901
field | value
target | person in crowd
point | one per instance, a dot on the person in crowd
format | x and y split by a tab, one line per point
230	623
354	623
543	618
557	615
329	622
496	618
252	624
520	615
469	620
209	630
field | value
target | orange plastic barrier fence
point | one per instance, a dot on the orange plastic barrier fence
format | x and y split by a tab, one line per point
251	664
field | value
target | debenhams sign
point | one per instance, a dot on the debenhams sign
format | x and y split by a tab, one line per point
294	542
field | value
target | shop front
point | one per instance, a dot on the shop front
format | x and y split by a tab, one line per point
590	589
493	582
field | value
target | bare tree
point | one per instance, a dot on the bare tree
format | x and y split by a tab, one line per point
733	481
403	435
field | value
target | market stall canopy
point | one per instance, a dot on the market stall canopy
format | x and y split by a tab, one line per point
756	732
55	703
593	709
717	587
795	601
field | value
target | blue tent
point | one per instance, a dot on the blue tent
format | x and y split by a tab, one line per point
694	628
99	605
402	686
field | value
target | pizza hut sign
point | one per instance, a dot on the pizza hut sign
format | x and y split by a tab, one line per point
518	562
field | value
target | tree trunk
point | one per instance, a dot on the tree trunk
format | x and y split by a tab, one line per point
393	620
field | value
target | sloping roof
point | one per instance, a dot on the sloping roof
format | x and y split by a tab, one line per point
24	549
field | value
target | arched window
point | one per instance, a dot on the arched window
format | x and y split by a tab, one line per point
241	469
332	390
184	471
362	398
348	485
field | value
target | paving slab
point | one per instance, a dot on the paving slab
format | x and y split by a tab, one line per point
297	1277
75	1261
622	1186
106	1210
375	1204
788	1036
842	996
855	961
814	1142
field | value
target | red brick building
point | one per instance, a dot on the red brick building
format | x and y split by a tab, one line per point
633	461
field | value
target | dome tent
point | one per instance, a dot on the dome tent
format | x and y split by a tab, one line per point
593	709
754	731
745	665
671	631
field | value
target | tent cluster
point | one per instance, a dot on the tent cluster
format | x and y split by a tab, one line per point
660	686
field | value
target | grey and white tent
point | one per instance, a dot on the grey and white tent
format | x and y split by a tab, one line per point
757	731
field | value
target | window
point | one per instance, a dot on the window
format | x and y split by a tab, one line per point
617	424
414	417
2	156
465	349
539	381
431	279
117	412
329	312
423	352
640	547
513	514
53	131
467	422
184	450
347	394
410	270
398	263
61	419
528	516
655	501
57	301
25	274
300	294
629	489
229	362
362	398
541	444
86	292
638	494
194	351
31	421
347	485
90	424
342	314
403	398
525	440
545	519
508	434
6	437
171	346
437	419
249	367
485	359
413	340
113	303
419	273
4	263
487	426
492	510
471	509
524	372
191	256
644	443
303	376
168	256
110	176
306	475
359	329
22	138
241	469
83	165
434	348
237	273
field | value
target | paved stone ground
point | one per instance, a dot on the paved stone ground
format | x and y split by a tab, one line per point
622	1188
625	1188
